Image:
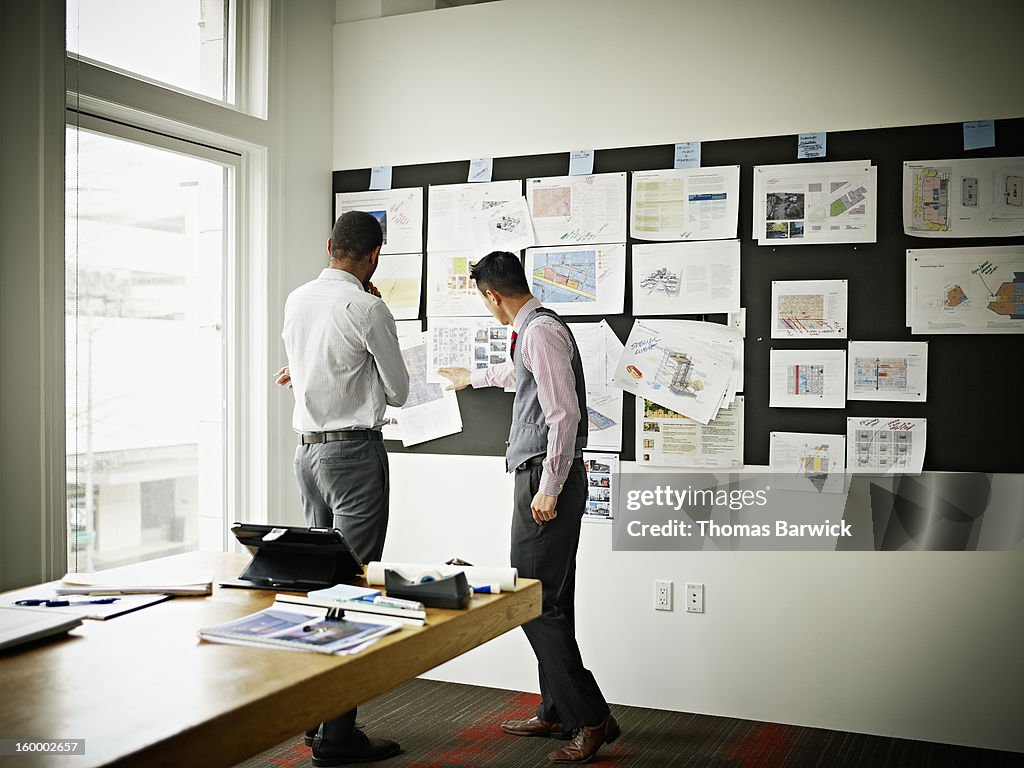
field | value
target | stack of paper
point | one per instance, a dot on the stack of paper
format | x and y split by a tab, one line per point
119	581
431	411
692	368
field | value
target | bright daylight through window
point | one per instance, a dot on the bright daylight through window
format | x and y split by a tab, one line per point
187	44
144	265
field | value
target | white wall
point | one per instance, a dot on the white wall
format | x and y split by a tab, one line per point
522	77
867	642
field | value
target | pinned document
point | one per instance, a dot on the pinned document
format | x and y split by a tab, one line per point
581	162
810	145
480	169
979	134
687	155
380	177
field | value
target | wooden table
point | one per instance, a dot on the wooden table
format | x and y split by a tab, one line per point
141	689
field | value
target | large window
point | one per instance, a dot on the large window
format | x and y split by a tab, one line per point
149	232
187	44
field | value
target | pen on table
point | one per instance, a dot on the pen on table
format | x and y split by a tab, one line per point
63	603
395	602
487	589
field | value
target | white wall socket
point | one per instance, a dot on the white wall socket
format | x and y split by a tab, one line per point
662	595
694	598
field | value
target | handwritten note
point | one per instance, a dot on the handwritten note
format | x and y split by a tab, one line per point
810	145
979	134
380	177
581	162
480	169
687	155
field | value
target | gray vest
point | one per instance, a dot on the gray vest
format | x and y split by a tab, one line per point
528	436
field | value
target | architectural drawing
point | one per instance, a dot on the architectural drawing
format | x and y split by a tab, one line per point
888	374
966	290
662	280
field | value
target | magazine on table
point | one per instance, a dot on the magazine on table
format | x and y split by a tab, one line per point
300	629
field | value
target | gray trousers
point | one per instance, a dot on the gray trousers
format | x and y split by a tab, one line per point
569	693
345	485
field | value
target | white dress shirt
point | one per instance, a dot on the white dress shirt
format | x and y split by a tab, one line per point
343	355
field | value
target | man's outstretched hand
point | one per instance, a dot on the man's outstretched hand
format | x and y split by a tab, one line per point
459	377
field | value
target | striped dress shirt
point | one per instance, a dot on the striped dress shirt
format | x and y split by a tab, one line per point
343	355
547	354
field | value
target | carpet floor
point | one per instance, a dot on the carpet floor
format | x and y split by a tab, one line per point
445	725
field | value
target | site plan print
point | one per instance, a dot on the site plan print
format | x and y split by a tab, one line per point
930	207
833	203
565	276
965	290
980	197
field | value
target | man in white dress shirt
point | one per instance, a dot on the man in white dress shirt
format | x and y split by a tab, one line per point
345	367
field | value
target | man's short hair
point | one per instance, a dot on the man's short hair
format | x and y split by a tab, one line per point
502	271
355	235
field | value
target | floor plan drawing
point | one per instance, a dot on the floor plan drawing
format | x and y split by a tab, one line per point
880	374
964	197
807	380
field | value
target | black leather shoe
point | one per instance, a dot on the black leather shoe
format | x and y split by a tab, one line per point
358	748
310	736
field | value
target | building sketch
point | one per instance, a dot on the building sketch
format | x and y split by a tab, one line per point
677	373
661	280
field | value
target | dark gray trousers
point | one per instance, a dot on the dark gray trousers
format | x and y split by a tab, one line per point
344	485
569	692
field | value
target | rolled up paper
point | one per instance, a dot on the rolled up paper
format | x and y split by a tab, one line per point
475	575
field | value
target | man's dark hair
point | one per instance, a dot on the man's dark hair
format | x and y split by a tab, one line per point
502	271
355	234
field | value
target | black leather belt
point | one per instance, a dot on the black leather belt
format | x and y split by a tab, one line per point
307	438
536	461
533	461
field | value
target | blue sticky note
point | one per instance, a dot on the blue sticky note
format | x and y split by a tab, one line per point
810	145
480	169
380	177
687	155
979	134
581	162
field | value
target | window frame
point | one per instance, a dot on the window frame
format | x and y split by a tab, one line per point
245	284
246	51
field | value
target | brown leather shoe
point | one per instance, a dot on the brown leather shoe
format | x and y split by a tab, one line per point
534	726
586	741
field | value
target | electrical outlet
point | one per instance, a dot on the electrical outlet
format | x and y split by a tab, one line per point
663	595
694	598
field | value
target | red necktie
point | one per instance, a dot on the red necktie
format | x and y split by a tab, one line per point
512	348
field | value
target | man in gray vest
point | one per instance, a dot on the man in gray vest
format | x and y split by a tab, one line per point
545	445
